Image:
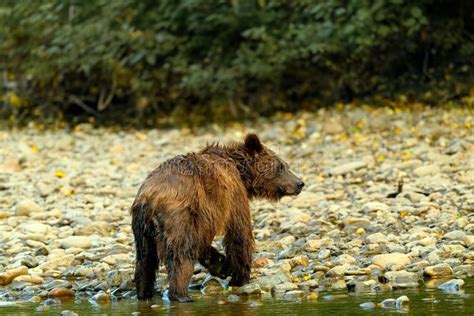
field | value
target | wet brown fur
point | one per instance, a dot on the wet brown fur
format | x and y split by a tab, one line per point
188	200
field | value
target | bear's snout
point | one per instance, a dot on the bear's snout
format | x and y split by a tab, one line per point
299	186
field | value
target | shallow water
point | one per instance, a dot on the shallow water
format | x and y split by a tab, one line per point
423	301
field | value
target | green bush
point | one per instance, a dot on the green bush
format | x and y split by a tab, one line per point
226	58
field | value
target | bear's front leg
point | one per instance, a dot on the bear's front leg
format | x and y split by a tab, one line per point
239	246
180	270
216	263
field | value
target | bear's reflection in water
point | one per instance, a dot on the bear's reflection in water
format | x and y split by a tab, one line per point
202	305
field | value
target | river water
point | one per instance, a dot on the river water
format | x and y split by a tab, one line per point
423	301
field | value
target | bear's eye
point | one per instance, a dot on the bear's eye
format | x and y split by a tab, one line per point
280	168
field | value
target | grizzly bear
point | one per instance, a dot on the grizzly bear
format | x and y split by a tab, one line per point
188	200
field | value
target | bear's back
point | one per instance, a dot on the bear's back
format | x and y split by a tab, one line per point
200	185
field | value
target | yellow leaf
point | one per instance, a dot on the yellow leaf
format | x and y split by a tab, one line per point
360	231
343	137
66	191
306	277
313	296
59	173
358	138
13	99
406	155
380	158
34	148
403	214
360	124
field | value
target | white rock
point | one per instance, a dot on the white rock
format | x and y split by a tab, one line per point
376	238
346	168
338	271
374	207
26	207
452	285
402	279
324	253
83	242
396	258
468	240
428	241
389	302
367	305
454	235
286	241
427	170
284	287
314	245
401	300
116	259
307	199
36	228
297	216
61	261
293	295
345	259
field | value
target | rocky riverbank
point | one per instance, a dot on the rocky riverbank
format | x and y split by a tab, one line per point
388	204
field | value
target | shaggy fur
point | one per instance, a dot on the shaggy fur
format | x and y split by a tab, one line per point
188	200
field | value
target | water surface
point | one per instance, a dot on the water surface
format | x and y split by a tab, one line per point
423	301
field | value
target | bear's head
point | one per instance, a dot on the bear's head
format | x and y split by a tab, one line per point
269	176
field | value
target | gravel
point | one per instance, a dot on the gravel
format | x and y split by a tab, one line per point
65	196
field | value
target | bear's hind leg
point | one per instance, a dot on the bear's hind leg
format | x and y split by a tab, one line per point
146	260
180	270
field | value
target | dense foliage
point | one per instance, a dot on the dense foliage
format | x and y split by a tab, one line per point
227	58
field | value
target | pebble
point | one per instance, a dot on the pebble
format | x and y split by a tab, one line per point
293	295
233	298
211	286
324	253
427	170
402	279
454	285
367	305
249	289
455	235
384	260
401	300
62	261
438	270
83	242
284	287
345	259
346	168
61	292
26	207
468	240
389	302
374	207
101	297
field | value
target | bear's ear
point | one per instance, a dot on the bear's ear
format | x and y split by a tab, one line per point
252	143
